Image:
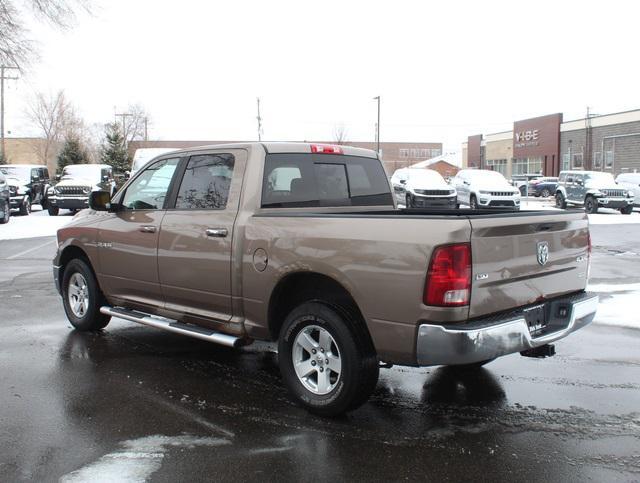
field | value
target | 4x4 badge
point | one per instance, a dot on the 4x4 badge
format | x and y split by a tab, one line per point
543	253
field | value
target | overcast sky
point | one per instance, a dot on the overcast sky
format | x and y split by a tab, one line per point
444	70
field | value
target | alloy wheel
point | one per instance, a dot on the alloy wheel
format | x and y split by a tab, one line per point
316	359
78	294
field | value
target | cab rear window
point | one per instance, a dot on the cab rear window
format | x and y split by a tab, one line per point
297	180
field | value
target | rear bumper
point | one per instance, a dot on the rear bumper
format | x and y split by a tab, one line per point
486	339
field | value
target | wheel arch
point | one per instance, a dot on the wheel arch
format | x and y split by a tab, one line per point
298	287
71	252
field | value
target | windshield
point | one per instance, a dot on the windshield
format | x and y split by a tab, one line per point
21	173
600	179
487	176
85	171
425	175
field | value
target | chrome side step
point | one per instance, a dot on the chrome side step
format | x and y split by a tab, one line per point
172	326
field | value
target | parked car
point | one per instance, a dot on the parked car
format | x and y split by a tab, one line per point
76	183
522	181
631	182
543	187
28	185
302	244
422	188
593	190
479	188
5	200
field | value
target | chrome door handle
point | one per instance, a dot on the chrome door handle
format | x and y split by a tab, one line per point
147	229
217	232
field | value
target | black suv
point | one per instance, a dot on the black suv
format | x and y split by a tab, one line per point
28	185
5	211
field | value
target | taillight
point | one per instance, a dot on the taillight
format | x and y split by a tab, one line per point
449	277
325	149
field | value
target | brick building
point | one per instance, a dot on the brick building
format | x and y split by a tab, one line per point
548	145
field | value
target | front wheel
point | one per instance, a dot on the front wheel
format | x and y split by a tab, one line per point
325	360
473	202
53	210
6	215
560	201
82	298
591	205
25	207
627	210
545	193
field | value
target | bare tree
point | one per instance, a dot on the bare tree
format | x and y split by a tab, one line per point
16	48
134	123
339	134
55	118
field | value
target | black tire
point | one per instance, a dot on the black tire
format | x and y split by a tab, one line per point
53	210
473	366
359	363
473	202
560	201
545	193
91	319
457	206
408	202
591	205
627	210
25	207
7	214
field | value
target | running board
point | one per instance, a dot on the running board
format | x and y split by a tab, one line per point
172	326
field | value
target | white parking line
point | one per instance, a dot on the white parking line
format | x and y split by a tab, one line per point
30	250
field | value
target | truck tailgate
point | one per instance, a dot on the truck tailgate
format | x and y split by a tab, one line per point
520	260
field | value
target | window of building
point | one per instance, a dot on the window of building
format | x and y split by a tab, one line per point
206	182
499	165
597	160
404	153
565	162
608	159
577	161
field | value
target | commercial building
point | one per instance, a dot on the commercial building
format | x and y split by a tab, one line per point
394	154
547	145
31	151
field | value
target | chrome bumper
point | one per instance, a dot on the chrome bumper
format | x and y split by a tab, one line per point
494	337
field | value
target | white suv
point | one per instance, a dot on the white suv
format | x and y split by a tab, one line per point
631	181
422	188
479	188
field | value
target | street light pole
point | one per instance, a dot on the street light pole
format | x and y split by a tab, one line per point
377	98
3	77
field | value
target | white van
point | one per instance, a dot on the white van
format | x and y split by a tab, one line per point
143	155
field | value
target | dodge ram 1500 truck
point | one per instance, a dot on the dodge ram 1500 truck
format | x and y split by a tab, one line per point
303	244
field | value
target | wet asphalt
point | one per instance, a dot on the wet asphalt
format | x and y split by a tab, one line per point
131	403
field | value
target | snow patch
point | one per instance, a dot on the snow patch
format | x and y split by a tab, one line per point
619	305
137	460
614	218
37	224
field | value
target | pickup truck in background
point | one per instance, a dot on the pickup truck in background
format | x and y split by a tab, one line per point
76	182
303	244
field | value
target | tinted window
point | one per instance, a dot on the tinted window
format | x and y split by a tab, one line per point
149	190
206	182
296	180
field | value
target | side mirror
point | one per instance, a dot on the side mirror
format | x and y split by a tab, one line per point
100	200
580	182
58	177
403	181
105	179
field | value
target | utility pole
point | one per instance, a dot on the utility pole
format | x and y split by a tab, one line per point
377	98
124	116
259	122
3	77
146	128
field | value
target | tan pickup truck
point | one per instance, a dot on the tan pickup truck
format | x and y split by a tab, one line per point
303	244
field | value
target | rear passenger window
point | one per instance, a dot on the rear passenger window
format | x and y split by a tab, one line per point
298	180
206	182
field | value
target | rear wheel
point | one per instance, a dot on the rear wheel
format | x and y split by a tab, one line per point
473	202
25	207
53	210
545	193
560	201
324	361
82	298
627	210
590	205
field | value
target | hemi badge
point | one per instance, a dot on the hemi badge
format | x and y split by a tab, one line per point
482	276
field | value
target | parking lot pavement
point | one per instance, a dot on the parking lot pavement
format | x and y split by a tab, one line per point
131	403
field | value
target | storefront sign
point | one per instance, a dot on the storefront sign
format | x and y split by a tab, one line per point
527	138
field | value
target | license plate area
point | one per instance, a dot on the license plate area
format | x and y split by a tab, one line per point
537	319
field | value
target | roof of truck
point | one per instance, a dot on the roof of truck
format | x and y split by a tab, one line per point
286	147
